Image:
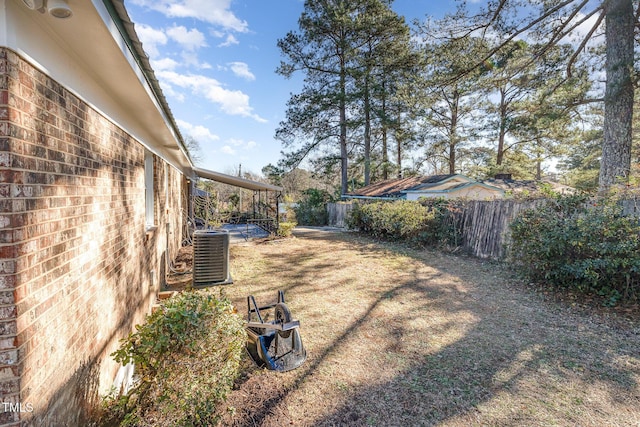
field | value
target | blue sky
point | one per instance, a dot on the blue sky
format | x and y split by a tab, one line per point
216	61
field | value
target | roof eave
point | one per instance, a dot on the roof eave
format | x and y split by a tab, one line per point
236	180
126	27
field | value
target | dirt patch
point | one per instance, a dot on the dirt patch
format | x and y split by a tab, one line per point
180	275
397	336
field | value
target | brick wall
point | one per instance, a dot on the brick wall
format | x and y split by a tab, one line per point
77	266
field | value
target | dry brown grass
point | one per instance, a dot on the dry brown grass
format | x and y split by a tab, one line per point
400	337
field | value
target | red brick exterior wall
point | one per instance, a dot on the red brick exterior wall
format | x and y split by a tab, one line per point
77	266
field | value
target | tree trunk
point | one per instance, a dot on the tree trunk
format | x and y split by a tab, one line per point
367	132
618	104
343	127
503	128
385	154
385	148
453	132
399	154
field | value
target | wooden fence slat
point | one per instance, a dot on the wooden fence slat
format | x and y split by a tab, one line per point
338	213
485	225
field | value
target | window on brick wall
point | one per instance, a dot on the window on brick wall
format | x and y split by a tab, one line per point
148	190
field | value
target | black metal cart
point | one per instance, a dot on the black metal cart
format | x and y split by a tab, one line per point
274	344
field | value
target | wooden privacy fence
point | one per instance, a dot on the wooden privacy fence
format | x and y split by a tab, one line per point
338	213
483	225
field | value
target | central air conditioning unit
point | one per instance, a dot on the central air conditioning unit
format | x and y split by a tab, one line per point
211	258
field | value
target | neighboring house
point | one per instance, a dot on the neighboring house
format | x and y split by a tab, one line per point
528	186
435	186
94	190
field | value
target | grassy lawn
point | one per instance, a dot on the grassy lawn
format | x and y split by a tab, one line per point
400	337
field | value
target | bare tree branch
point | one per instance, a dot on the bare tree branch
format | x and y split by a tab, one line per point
495	16
561	32
582	45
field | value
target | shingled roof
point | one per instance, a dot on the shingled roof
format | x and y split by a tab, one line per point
531	186
394	188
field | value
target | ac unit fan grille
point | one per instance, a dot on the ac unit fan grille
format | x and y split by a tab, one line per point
211	258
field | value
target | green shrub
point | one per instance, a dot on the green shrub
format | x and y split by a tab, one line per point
399	220
581	244
187	356
312	209
286	228
429	222
445	227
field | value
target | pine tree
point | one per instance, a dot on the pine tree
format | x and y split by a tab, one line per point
555	20
354	55
323	49
449	103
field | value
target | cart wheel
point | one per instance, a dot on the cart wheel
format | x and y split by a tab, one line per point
283	315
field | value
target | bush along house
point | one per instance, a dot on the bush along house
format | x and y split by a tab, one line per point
94	189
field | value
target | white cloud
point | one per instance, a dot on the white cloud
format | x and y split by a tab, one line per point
164	64
217	12
234	145
197	132
192	59
151	39
188	39
228	150
229	41
235	142
241	69
233	102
